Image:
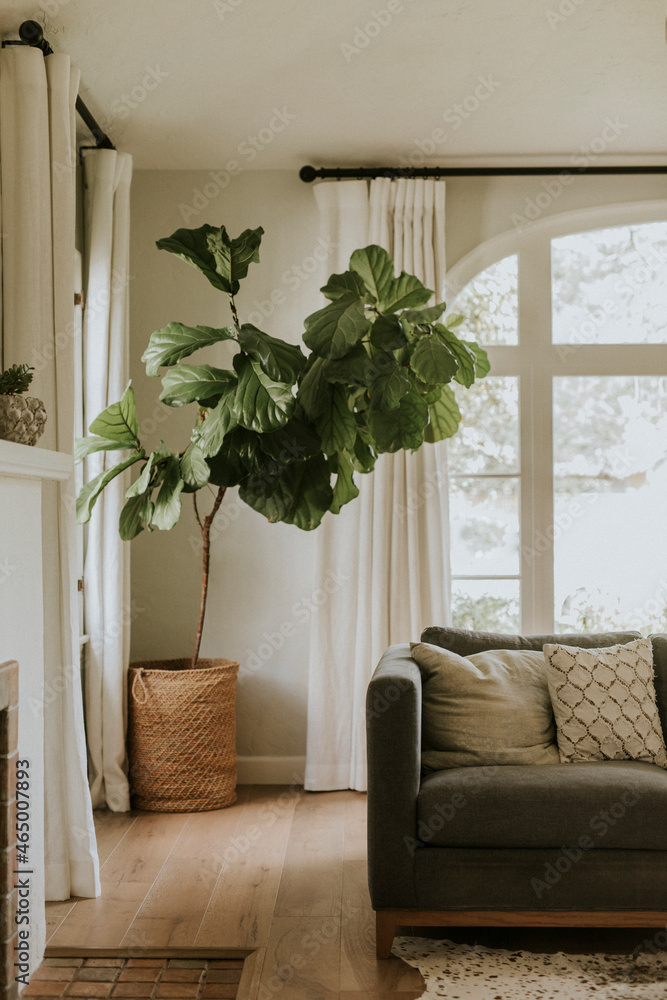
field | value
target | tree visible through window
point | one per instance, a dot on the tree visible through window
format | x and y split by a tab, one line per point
595	376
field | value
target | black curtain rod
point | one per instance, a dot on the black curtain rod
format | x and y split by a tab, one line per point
309	174
31	33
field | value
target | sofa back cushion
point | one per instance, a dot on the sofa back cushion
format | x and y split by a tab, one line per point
465	641
488	708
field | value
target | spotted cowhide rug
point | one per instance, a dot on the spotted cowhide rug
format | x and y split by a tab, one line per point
464	972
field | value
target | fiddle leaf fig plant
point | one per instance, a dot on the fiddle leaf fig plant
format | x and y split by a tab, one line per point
290	430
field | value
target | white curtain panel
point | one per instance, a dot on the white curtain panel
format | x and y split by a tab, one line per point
38	158
386	550
108	176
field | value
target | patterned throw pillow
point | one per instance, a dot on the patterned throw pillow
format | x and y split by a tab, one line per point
604	703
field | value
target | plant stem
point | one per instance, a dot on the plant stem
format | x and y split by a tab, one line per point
205	527
232	304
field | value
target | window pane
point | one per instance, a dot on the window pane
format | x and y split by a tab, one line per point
488	437
610	454
610	286
490	305
489	605
484	526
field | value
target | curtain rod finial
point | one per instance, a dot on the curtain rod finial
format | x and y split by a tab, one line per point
32	33
308	174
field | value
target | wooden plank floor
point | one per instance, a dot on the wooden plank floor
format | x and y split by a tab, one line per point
282	871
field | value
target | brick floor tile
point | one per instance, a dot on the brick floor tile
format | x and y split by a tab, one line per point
102	963
227	963
63	963
181	975
103	974
133	989
219	991
187	963
35	988
146	963
54	975
138	975
224	976
89	990
177	990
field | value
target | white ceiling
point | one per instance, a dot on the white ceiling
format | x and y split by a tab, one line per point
559	72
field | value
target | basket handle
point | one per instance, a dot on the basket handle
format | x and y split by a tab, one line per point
139	678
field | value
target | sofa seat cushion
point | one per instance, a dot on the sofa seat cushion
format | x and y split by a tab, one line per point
608	805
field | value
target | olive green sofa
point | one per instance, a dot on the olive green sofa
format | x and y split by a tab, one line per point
566	844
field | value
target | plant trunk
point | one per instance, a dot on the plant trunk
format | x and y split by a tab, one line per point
205	528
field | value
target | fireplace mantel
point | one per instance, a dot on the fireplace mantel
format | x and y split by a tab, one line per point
28	480
20	461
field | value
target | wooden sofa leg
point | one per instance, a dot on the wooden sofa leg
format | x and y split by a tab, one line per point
385	928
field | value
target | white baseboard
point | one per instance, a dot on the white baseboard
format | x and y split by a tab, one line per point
271	770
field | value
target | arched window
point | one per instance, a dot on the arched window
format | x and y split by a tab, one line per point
558	499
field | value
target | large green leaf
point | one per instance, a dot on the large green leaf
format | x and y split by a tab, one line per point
293	442
355	367
176	341
90	492
454	320
364	455
404	292
314	389
260	404
282	362
376	268
345	489
194	471
234	257
402	427
168	501
187	383
340	284
119	421
136	515
141	484
191	245
226	467
336	425
463	354
444	415
389	387
300	494
428	315
482	363
219	421
432	362
387	334
89	445
332	331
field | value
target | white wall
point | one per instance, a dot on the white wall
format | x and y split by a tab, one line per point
261	572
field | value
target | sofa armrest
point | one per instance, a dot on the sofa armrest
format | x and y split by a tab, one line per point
393	731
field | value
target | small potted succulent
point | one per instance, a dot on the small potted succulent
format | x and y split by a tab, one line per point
291	431
22	418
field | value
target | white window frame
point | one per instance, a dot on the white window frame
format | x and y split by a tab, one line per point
535	361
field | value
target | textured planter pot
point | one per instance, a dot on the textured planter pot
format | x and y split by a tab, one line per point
22	419
182	735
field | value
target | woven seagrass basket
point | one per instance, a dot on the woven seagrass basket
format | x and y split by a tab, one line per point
182	735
